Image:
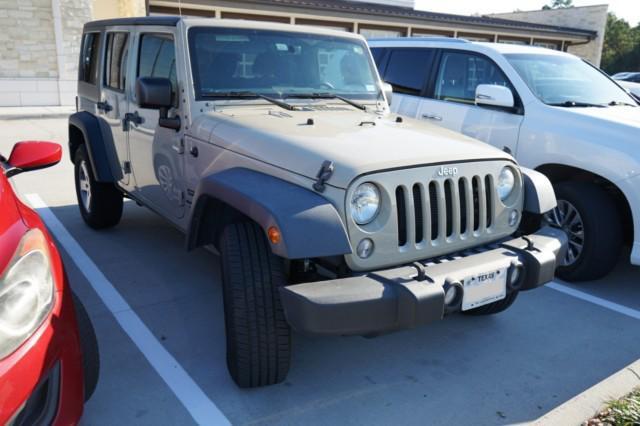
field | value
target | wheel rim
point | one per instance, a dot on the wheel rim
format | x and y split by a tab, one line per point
84	184
165	178
566	217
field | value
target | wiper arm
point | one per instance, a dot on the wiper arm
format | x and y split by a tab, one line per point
326	96
247	94
573	104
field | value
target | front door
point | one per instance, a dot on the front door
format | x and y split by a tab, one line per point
156	152
453	102
113	103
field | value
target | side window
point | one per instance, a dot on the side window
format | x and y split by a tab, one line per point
377	56
89	58
115	69
408	69
157	58
461	73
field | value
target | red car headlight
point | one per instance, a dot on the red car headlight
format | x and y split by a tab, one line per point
27	292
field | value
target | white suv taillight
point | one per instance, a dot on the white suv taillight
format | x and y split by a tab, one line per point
27	292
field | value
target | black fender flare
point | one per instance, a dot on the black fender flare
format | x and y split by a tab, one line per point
99	142
309	224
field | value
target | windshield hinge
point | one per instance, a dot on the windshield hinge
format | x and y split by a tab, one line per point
324	174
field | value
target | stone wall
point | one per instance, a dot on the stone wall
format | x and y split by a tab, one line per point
39	48
587	17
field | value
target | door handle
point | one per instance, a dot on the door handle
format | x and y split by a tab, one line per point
432	117
104	106
131	117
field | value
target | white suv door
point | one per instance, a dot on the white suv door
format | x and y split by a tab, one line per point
449	98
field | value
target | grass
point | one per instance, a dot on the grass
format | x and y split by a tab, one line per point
623	412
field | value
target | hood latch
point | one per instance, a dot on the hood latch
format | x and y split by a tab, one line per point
324	174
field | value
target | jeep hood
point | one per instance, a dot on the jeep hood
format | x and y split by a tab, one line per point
356	142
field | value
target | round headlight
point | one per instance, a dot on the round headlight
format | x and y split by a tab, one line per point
506	183
365	203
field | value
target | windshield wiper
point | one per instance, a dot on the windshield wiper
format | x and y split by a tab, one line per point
248	94
577	104
618	103
325	96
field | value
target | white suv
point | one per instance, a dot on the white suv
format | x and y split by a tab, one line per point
556	114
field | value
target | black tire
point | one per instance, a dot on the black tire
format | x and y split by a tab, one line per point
104	208
495	307
258	336
89	346
602	231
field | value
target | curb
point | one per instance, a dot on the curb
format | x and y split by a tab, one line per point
34	116
581	407
29	113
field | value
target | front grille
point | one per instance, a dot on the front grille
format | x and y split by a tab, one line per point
441	211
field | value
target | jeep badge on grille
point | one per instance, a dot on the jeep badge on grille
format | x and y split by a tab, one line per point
447	171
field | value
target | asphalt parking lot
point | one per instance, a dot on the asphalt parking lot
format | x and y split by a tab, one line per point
511	368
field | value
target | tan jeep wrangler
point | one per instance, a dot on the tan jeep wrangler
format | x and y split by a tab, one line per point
275	145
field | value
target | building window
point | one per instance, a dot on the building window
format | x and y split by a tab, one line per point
401	70
90	58
158	59
476	37
513	40
339	26
116	61
252	17
461	73
380	32
548	44
417	32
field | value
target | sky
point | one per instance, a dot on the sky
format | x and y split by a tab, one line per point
626	9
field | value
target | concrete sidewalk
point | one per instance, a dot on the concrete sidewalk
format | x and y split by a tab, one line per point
22	113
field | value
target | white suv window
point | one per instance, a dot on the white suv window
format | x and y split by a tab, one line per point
461	73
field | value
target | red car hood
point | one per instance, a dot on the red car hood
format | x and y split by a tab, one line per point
12	228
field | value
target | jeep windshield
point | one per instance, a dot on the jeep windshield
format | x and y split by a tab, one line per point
227	62
567	82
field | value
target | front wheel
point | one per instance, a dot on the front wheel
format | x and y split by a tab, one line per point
100	202
590	218
258	336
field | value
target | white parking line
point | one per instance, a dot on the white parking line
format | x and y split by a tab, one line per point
201	408
621	309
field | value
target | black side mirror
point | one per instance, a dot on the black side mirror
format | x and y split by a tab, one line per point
156	93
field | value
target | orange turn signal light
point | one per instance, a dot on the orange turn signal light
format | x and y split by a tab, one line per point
274	235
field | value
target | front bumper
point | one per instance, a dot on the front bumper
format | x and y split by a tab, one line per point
409	296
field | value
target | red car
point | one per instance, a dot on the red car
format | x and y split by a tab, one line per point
48	348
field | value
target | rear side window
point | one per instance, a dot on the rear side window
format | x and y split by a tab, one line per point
89	58
461	73
408	69
158	58
115	70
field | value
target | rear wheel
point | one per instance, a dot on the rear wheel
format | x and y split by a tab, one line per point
590	218
89	347
100	202
258	336
495	307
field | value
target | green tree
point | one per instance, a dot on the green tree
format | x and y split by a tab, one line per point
558	4
621	49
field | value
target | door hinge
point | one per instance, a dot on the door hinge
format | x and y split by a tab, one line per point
127	167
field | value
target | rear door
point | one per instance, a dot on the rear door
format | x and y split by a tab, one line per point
114	103
450	101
